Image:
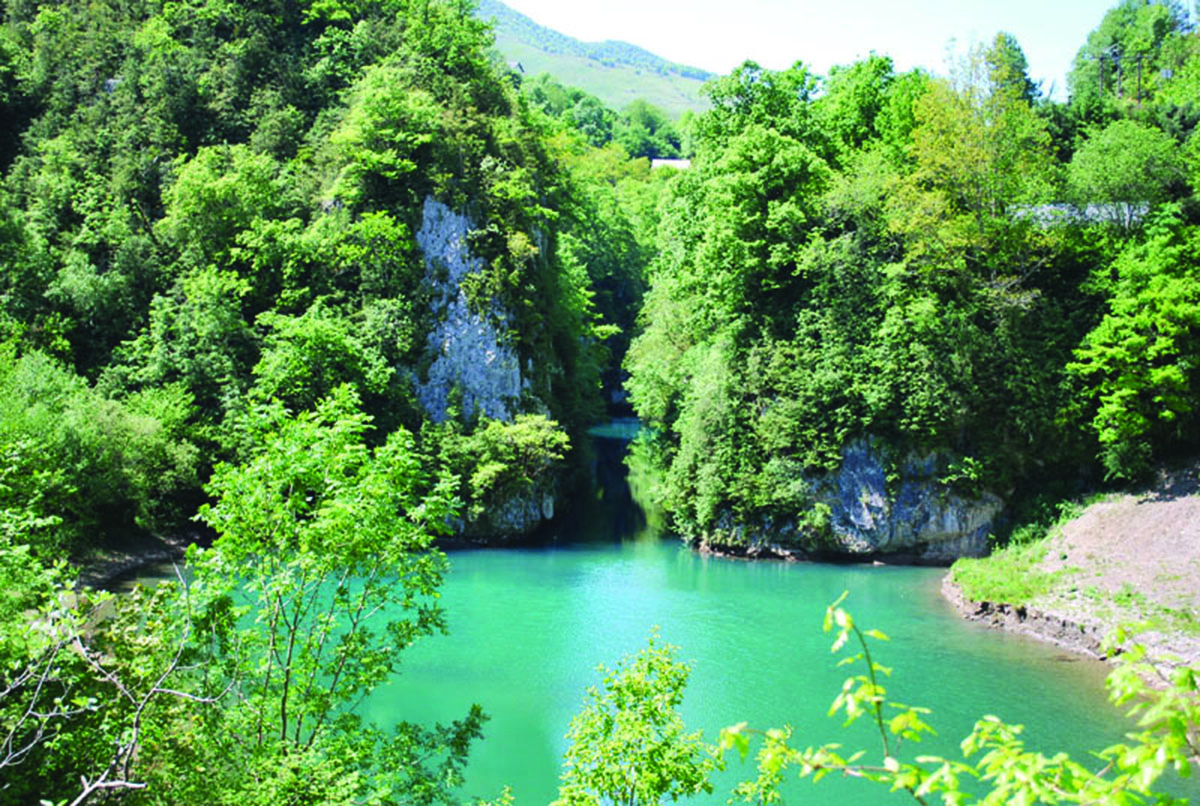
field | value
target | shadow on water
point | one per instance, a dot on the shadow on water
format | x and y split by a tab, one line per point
601	508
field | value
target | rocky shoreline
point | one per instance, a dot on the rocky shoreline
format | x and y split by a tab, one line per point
110	565
1082	637
1126	559
1081	634
775	551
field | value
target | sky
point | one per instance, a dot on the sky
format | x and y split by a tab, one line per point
718	36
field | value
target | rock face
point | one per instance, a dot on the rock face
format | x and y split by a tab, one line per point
470	350
919	515
516	517
472	353
915	516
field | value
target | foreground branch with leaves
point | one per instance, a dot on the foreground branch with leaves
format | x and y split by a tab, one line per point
83	674
996	767
322	574
629	745
238	684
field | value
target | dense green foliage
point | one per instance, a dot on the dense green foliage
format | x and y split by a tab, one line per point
214	300
210	206
75	462
235	686
949	265
629	746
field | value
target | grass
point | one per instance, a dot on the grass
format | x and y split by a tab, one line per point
1135	606
1009	575
616	85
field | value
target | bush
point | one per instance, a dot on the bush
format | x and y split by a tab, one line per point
76	466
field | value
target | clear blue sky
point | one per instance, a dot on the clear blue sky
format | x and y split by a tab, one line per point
718	36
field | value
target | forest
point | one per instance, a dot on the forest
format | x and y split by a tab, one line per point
325	285
956	264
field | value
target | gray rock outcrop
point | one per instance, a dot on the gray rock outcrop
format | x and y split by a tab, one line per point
470	350
915	516
517	516
919	514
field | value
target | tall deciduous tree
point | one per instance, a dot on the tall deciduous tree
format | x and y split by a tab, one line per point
1138	364
979	150
325	563
1125	169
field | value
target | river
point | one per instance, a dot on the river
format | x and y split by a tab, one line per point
528	626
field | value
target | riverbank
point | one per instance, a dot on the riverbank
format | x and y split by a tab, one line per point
107	565
1127	559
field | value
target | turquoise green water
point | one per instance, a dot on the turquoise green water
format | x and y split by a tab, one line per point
529	626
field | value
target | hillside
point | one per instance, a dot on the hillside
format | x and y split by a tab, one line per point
616	72
856	340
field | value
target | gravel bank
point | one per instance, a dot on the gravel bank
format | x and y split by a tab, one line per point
1131	558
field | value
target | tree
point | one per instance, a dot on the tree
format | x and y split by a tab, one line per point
322	574
1138	364
854	97
593	119
645	131
629	746
978	149
86	677
196	336
1126	167
305	357
1008	69
216	194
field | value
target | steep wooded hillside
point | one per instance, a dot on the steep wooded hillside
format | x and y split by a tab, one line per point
210	206
886	307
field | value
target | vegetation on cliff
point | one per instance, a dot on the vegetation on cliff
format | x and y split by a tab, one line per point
952	265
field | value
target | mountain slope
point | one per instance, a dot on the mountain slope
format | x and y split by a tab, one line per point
615	72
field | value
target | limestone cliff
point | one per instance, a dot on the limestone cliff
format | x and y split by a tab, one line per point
470	350
857	511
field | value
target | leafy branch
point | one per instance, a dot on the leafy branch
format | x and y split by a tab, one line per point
1005	771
